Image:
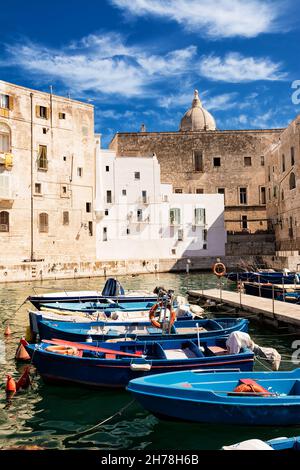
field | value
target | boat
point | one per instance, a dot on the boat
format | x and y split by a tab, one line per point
96	365
112	292
105	305
281	292
268	398
264	276
279	444
103	331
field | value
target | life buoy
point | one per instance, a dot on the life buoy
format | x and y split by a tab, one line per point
245	389
155	322
66	350
219	269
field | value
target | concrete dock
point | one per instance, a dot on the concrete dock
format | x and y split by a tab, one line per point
266	310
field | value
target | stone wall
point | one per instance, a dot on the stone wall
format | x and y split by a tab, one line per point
175	153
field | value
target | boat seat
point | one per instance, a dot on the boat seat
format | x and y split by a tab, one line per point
178	353
217	351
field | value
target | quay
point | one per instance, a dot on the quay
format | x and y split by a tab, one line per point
274	312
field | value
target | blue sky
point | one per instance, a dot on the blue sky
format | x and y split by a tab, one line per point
139	61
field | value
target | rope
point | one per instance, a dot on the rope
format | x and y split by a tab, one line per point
262	364
8	319
97	426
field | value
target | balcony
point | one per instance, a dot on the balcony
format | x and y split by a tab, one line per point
6	159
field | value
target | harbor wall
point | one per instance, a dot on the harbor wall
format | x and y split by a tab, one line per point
28	272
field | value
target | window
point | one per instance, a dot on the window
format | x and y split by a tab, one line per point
42	158
66	218
199	191
90	228
180	235
44	130
4	142
198	161
139	214
137	175
64	158
42	112
283	163
275	192
269	173
79	172
204	233
62	115
105	234
108	197
43	223
292	156
243	195
38	188
88	207
4	221
282	195
269	191
144	197
178	191
292	181
221	191
106	212
124	192
247	161
200	216
217	162
175	216
64	191
263	199
244	222
262	160
4	101
128	231
107	169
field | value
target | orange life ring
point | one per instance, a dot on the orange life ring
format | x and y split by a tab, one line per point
251	388
219	269
155	322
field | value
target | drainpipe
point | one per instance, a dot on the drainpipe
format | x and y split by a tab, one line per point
31	183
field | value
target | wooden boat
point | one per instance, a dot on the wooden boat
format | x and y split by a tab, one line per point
97	366
103	331
217	397
112	292
287	293
280	444
264	276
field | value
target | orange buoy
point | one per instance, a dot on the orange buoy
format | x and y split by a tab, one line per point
24	381
7	331
21	353
11	386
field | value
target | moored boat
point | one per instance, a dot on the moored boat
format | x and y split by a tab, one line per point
264	276
254	398
279	444
97	366
103	331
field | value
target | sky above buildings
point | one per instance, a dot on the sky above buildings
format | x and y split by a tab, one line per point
139	61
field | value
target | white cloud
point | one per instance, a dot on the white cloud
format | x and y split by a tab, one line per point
221	102
103	64
236	68
214	18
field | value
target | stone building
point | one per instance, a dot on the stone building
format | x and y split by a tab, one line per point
138	218
203	160
283	189
47	177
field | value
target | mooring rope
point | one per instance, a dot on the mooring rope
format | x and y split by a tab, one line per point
97	426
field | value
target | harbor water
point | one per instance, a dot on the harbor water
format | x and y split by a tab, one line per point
57	417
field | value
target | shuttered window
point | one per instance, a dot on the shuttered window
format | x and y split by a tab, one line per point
4	101
175	216
5	186
4	142
42	158
43	223
42	112
66	218
4	221
200	216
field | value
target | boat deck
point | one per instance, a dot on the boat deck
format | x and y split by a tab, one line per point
266	309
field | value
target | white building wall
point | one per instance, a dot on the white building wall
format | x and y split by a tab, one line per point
151	237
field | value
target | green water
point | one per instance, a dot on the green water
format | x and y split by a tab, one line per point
53	417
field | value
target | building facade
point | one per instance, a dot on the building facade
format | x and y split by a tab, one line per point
199	159
283	189
139	218
47	177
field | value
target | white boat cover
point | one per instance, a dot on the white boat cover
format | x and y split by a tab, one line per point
238	340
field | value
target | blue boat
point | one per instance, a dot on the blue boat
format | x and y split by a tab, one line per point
100	306
272	277
217	397
112	292
280	292
80	363
102	331
279	444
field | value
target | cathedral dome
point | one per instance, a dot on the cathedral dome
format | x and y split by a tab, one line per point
197	118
